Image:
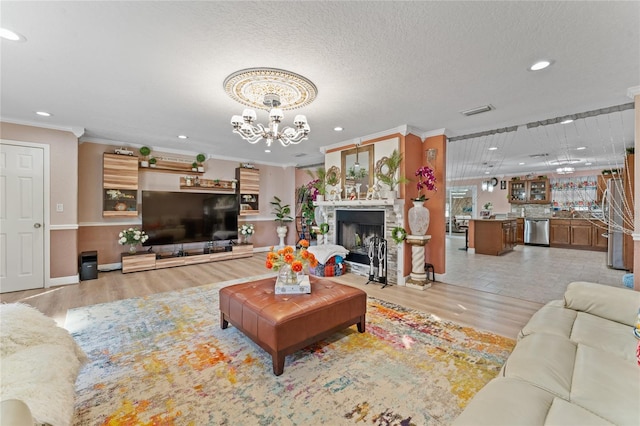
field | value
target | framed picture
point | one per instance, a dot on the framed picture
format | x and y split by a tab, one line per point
503	184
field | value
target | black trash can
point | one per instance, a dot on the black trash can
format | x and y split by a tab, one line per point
88	265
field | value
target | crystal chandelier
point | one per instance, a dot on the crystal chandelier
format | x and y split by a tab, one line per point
243	125
274	90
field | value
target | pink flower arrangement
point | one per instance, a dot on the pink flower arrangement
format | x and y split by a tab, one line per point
426	180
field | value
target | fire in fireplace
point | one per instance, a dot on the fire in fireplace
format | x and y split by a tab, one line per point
355	229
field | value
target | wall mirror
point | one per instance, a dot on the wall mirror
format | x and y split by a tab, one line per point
357	167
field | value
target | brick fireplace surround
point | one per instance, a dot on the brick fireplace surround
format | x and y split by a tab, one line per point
393	214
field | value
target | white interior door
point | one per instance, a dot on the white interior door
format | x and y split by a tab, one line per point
21	217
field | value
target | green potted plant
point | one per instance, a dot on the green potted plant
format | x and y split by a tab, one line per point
144	151
153	161
194	167
388	173
200	158
282	213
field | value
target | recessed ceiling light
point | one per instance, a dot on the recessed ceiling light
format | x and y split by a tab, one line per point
183	137
267	150
11	35
587	164
540	65
486	173
580	148
338	129
43	113
521	164
493	148
567	121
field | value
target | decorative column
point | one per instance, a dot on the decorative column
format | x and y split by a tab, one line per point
418	275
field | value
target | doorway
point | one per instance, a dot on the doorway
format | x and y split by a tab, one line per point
460	208
22	216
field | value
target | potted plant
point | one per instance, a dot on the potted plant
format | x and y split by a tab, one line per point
153	161
194	167
282	213
389	176
320	176
144	151
200	158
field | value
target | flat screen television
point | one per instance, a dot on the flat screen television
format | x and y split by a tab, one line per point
189	217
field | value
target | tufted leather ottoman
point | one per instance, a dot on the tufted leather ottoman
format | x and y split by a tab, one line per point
284	323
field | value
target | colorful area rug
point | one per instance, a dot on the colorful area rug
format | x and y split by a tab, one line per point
163	360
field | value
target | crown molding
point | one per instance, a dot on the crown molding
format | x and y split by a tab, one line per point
634	91
434	132
404	130
77	131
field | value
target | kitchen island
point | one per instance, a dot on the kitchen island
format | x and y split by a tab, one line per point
493	236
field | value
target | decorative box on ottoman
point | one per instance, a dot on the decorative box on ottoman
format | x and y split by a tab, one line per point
303	287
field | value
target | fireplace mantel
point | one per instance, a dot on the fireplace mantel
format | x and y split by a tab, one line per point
367	203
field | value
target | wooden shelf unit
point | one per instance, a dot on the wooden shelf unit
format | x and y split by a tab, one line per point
168	166
119	185
148	261
209	184
248	190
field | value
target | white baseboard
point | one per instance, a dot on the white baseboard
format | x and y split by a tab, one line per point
72	279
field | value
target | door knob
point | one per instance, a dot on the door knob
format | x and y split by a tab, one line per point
37	225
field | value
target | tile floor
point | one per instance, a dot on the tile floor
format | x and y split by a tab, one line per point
533	273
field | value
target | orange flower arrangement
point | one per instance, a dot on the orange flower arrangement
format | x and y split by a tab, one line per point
296	259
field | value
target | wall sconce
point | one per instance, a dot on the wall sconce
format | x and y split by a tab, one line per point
432	154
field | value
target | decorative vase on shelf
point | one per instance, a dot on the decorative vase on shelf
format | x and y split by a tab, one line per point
132	249
247	239
418	218
287	276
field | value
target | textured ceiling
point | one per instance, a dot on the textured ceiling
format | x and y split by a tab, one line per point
141	73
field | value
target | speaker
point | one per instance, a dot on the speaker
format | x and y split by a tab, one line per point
88	265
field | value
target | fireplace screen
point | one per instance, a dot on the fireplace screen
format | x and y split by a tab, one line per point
355	229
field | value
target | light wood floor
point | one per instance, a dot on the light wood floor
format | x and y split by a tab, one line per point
492	312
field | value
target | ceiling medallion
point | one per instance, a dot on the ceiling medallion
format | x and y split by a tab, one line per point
251	85
274	90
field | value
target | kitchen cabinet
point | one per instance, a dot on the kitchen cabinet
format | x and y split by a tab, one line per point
598	240
248	190
520	231
580	234
529	191
494	237
119	185
559	232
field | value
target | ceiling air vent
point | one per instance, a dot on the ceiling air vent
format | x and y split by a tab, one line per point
545	154
302	154
477	110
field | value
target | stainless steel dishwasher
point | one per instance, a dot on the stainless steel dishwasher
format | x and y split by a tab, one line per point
536	232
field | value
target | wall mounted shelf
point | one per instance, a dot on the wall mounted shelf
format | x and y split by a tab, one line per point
167	166
207	184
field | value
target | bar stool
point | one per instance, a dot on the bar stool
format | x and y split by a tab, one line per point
429	267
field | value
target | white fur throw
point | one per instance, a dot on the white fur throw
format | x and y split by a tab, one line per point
39	363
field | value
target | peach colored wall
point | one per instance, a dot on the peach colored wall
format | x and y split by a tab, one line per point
435	250
63	248
63	150
98	233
